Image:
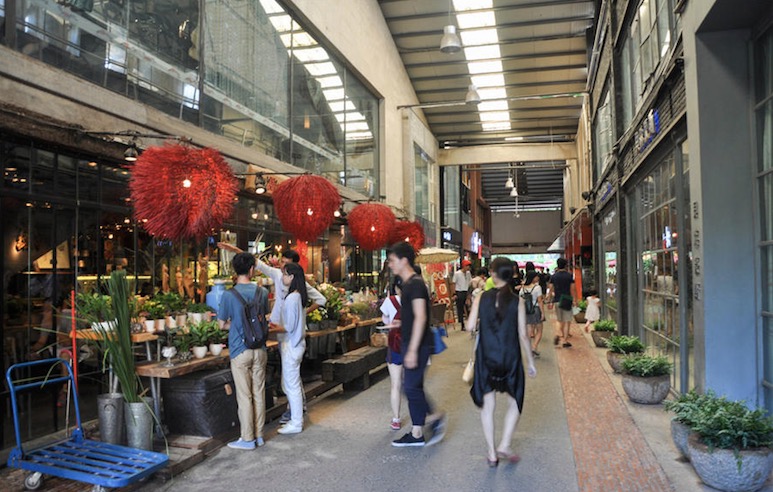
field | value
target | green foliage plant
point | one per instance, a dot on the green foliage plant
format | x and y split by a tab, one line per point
335	302
172	301
644	366
583	305
605	325
95	307
198	307
199	333
624	344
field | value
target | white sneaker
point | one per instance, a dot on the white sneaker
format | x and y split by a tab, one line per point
242	444
290	429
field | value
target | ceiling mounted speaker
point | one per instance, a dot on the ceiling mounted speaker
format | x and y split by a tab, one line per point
450	42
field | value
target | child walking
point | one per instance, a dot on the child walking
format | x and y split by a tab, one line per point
593	311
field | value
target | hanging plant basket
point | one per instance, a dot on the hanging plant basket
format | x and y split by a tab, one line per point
305	205
182	192
371	225
410	232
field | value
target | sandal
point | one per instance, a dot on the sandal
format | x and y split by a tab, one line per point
492	463
511	457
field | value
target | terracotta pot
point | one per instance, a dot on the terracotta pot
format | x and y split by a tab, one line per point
600	337
719	469
649	390
615	361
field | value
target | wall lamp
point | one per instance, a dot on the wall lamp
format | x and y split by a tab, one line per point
587	195
260	180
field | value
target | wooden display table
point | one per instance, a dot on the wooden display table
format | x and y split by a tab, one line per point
91	334
158	370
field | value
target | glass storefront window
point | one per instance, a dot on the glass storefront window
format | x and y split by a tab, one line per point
421	182
603	133
609	243
451	200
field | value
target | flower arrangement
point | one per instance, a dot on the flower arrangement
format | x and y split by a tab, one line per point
314	316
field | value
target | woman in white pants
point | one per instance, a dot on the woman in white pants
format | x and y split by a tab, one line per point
292	344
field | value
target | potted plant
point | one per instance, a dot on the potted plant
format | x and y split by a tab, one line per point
97	309
646	378
313	319
155	313
602	330
199	338
686	408
333	305
217	338
731	446
182	342
174	305
582	305
196	312
620	346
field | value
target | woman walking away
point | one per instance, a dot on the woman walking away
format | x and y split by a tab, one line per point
390	310
498	360
592	312
535	309
292	344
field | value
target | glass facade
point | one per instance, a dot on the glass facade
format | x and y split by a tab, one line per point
764	172
610	231
452	216
662	262
421	189
603	133
249	72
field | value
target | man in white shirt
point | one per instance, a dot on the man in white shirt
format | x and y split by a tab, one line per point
462	281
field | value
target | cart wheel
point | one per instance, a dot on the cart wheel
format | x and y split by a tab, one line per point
33	481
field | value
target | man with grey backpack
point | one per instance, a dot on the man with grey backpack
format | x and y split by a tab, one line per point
246	342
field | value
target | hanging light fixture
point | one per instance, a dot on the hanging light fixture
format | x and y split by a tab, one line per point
131	153
509	183
450	42
514	192
472	96
260	184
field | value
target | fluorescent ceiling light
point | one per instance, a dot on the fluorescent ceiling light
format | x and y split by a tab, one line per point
271	7
491	80
332	81
317	69
282	23
476	20
479	36
472	4
334	94
493	93
502	125
514	139
495	116
484	67
338	106
490	51
493	106
311	54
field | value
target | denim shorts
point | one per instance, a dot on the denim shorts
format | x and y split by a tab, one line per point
394	357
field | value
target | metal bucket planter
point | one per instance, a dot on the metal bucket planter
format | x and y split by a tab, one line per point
649	390
600	337
312	344
719	469
680	433
139	424
110	411
580	317
615	360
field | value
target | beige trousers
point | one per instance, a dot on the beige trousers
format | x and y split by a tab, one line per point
249	371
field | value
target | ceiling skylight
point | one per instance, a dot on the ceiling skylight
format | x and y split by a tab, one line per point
495	116
504	125
334	94
488	52
489	80
492	93
460	5
476	19
493	106
332	81
310	54
317	69
484	67
479	36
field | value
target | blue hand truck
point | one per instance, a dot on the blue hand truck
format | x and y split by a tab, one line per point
76	458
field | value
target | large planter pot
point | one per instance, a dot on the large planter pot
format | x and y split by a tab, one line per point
600	337
719	469
110	411
216	348
615	360
649	390
580	317
199	352
139	424
679	433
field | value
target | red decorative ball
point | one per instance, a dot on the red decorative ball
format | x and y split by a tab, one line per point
305	205
371	225
182	192
410	232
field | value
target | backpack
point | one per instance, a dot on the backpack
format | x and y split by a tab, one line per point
255	322
529	301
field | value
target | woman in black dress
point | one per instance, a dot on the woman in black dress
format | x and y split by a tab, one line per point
498	359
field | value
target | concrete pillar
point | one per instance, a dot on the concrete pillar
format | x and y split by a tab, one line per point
720	145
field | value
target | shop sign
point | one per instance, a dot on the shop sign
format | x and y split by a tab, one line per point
476	241
451	236
647	131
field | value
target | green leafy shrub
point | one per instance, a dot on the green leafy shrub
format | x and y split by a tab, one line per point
172	301
94	308
155	309
605	325
583	305
687	406
200	332
624	344
198	307
646	365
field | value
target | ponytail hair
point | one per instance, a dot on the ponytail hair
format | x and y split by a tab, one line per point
503	270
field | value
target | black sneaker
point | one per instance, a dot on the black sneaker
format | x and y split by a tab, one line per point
408	441
567	345
438	430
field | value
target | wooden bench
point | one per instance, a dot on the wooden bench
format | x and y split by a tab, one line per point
353	368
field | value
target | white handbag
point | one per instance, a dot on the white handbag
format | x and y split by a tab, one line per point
468	374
